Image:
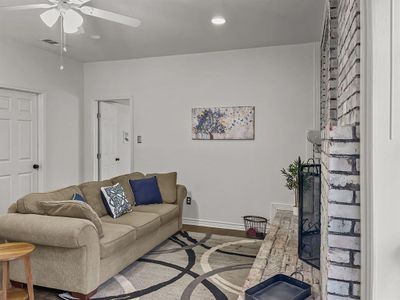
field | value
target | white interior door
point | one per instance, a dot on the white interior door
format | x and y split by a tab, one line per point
124	141
18	146
108	126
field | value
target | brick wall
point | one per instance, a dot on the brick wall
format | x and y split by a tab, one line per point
341	211
324	75
340	208
348	51
329	67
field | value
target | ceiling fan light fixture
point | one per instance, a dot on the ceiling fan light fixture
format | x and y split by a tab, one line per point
50	17
70	29
72	21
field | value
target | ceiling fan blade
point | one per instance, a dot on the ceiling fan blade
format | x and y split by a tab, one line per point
79	2
110	16
26	7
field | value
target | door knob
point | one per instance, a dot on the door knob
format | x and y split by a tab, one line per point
36	166
117	159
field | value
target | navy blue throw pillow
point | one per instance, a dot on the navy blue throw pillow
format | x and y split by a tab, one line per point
146	191
78	197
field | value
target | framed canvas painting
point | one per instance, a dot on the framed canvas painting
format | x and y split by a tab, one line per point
223	123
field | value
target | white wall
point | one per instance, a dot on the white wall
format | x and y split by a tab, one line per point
227	179
33	69
382	152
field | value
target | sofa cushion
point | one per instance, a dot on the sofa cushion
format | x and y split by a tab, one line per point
30	203
167	212
124	181
144	223
92	193
167	185
72	209
116	236
146	191
115	201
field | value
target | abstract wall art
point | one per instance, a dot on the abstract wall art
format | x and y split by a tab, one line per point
223	123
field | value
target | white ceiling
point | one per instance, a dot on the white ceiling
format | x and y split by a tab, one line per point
174	27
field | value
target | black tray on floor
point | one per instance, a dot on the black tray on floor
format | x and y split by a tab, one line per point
279	287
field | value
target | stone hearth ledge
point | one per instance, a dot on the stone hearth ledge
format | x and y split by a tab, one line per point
278	254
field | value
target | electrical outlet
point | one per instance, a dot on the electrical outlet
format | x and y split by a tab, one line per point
189	200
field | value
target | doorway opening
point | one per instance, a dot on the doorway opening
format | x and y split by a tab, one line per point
114	138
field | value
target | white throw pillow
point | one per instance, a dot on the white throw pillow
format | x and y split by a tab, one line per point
115	200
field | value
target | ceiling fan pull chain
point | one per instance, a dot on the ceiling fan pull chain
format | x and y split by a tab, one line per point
65	43
62	44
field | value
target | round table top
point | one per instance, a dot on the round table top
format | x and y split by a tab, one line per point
11	251
16	294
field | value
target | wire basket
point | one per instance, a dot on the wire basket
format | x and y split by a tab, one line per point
255	226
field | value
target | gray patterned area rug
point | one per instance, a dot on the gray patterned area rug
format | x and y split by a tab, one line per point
187	266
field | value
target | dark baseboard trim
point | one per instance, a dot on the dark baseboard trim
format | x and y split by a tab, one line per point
213	230
18	285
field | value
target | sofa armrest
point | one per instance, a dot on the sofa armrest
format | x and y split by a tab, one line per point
48	231
181	193
67	255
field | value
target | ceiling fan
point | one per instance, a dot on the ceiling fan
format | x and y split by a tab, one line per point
70	13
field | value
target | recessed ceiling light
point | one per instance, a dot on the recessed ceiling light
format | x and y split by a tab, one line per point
218	20
95	37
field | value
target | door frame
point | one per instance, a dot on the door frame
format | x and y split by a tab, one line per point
41	119
95	133
367	259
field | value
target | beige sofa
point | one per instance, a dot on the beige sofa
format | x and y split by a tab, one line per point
70	256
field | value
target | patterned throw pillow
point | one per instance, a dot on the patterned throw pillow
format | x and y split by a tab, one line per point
115	200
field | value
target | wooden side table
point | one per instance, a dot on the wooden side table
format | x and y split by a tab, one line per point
10	252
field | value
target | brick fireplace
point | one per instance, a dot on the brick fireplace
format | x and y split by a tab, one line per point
340	151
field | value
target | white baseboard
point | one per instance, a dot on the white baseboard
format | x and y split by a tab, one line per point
279	206
211	223
234	226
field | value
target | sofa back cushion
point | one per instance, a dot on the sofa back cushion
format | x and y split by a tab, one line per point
72	209
167	185
123	180
30	203
13	208
92	193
